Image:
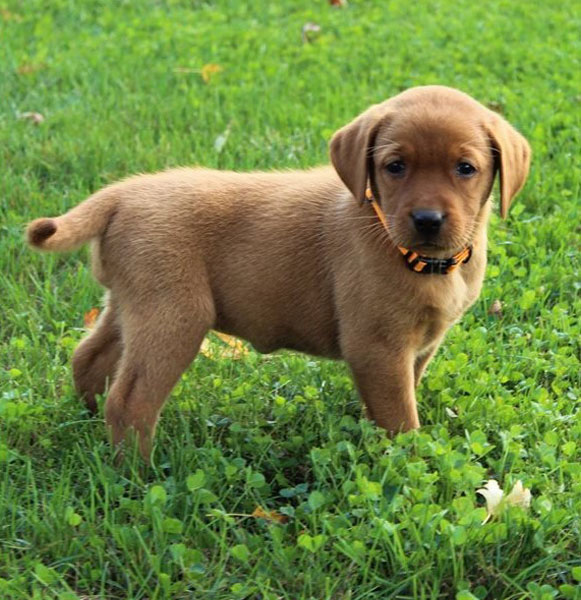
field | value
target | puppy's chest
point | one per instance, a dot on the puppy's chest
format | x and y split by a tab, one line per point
445	297
430	326
438	308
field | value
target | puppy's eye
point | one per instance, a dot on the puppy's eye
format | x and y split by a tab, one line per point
396	168
465	169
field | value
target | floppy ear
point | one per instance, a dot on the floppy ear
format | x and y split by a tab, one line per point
352	150
513	159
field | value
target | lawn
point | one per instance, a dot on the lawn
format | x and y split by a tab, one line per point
125	87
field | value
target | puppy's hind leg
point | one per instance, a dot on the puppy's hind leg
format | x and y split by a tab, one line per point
160	339
95	359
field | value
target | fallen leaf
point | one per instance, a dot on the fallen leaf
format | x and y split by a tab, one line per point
238	349
496	501
495	106
495	309
10	16
28	68
209	70
259	513
221	139
90	318
519	496
227	346
206	348
310	32
35	117
493	496
338	2
450	413
269	515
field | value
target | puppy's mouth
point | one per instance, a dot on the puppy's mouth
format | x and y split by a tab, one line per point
435	249
428	245
441	244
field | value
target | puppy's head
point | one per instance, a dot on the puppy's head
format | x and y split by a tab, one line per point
430	156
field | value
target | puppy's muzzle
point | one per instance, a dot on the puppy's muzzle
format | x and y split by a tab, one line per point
428	222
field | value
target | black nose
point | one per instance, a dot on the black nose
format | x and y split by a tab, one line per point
428	222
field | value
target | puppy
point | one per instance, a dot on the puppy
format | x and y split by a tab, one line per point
370	261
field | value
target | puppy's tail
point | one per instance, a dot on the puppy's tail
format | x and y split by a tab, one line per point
82	223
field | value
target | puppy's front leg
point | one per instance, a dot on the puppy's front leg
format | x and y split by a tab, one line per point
385	380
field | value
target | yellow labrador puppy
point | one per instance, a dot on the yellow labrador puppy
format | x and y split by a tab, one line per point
370	260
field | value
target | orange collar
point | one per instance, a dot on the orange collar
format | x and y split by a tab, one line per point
422	264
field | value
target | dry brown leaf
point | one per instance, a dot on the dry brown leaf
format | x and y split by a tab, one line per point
229	339
90	318
28	68
10	16
34	117
269	515
495	309
227	347
209	70
206	348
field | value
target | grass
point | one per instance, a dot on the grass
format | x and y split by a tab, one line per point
120	87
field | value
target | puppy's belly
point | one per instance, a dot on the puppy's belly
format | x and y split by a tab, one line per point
267	336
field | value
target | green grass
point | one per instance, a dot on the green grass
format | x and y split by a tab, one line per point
120	89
